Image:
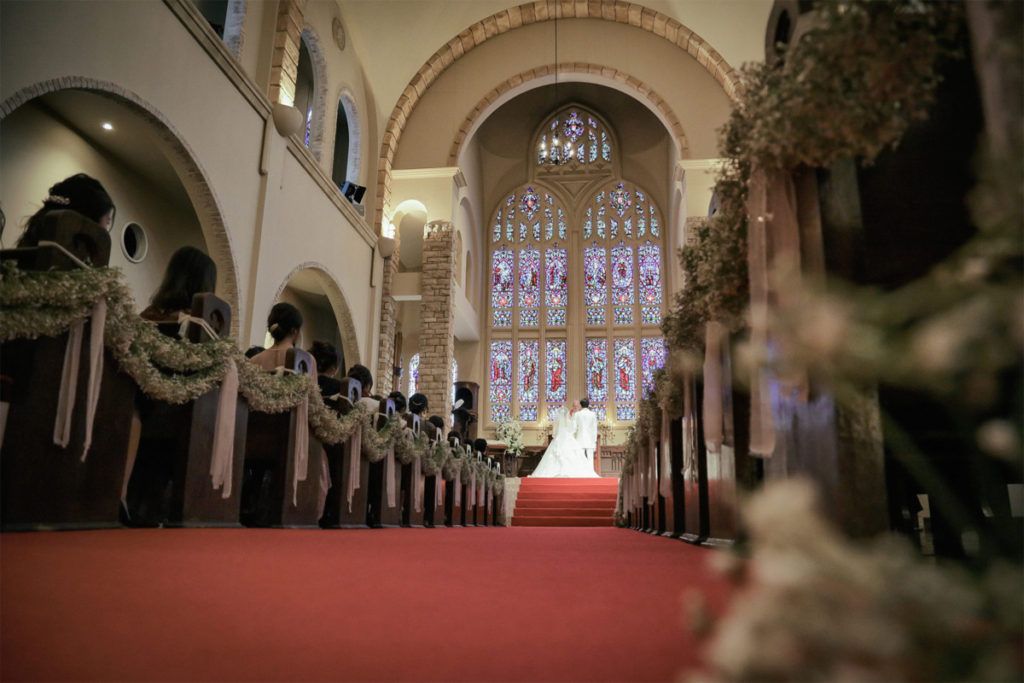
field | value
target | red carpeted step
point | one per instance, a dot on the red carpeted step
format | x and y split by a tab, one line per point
565	502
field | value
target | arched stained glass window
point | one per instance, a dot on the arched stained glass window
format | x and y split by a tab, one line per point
542	284
414	374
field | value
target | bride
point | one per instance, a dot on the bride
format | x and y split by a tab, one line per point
564	456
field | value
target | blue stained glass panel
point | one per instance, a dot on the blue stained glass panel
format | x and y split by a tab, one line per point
502	317
652	357
563	229
595	282
529	278
625	413
587	224
500	377
502	280
501	413
573	127
556	271
414	374
650	274
622	275
619	200
529	372
556	317
529	317
528	413
595	316
597	369
650	315
625	370
623	315
557	370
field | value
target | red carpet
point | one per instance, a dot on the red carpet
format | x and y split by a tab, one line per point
496	604
566	502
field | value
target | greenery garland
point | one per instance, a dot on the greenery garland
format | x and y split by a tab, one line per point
435	457
48	303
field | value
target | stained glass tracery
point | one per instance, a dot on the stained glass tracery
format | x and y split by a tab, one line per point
556	375
529	379
597	374
572	137
414	374
652	357
625	379
501	381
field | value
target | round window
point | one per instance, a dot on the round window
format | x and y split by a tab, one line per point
134	242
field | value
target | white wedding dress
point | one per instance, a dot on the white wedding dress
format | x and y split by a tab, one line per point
564	456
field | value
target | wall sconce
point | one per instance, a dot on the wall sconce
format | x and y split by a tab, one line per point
386	246
287	119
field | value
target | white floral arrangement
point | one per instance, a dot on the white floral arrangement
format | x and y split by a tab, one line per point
510	433
409	447
453	464
435	457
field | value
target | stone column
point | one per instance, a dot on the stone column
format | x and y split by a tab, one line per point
284	67
437	313
384	377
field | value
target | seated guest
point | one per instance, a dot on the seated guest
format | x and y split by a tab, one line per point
418	404
326	357
189	272
361	373
78	193
284	324
253	350
480	445
437	421
399	398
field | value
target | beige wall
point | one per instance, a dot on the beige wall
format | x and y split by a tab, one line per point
39	150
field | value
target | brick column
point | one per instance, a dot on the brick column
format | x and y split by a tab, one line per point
437	324
284	68
383	379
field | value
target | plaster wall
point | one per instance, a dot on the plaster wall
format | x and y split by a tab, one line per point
39	150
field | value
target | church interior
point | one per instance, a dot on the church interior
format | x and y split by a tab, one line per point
297	294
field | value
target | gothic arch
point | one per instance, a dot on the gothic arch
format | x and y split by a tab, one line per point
602	74
347	104
339	305
316	55
619	11
191	174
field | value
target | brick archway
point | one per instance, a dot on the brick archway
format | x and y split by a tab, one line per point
643	91
193	177
619	11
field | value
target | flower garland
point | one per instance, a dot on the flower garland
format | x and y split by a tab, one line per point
409	447
48	303
377	442
435	457
453	466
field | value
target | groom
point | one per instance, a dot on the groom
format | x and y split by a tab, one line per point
586	428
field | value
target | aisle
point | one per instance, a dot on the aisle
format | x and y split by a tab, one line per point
566	502
392	604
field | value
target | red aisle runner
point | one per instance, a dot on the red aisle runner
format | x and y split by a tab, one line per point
496	604
566	502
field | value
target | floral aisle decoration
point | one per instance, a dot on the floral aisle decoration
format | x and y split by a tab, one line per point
811	605
435	457
510	433
409	446
453	465
47	303
377	442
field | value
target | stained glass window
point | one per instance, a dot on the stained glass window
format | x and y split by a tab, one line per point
529	379
414	374
595	288
557	373
575	138
650	274
597	374
529	286
625	379
622	275
556	284
502	282
652	357
501	381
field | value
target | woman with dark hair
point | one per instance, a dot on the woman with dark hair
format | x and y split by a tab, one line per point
79	193
418	404
326	357
400	404
189	272
284	324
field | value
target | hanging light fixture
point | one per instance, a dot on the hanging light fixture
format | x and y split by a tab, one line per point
557	154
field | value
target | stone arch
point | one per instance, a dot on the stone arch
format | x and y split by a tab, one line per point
347	104
544	75
316	55
191	174
619	11
339	305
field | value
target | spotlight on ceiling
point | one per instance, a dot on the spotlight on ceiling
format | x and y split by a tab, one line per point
107	125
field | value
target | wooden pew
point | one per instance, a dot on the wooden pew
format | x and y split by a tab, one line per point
471	506
43	485
695	475
378	513
454	515
483	511
337	458
433	514
176	447
271	462
407	490
672	505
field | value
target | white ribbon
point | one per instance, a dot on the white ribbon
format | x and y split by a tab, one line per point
224	432
69	378
301	447
713	387
458	489
355	450
666	454
389	476
471	498
417	485
325	481
439	493
184	319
